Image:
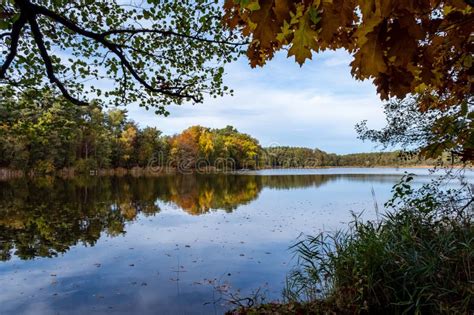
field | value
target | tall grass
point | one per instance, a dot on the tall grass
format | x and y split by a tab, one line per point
417	259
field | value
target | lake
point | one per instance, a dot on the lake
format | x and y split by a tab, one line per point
175	244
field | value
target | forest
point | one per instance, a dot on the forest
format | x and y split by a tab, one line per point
53	134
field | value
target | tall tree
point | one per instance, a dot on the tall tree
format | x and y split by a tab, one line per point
149	146
38	133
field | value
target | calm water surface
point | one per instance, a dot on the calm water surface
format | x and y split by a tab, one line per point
166	245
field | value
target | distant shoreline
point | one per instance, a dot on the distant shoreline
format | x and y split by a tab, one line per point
7	174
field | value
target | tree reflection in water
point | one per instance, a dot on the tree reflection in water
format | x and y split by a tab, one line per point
45	217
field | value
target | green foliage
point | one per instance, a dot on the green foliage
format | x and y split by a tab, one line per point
297	157
51	134
36	133
84	166
418	259
432	133
153	53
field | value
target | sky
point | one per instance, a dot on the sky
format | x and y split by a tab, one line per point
314	106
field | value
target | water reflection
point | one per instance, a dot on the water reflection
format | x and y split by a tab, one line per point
45	217
160	245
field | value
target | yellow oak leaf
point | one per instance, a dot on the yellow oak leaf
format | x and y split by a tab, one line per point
368	26
285	32
369	59
304	40
296	16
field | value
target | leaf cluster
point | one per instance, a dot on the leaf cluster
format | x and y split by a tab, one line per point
150	52
405	47
432	133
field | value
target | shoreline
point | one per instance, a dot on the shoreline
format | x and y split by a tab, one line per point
9	174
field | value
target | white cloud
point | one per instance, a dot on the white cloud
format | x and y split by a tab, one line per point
315	106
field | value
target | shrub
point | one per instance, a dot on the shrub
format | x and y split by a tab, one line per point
85	166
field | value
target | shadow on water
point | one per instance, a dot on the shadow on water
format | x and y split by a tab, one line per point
45	217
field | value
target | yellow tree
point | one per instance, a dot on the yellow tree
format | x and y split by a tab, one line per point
206	144
127	141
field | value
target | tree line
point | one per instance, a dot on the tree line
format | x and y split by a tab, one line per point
53	134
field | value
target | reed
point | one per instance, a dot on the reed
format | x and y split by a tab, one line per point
418	258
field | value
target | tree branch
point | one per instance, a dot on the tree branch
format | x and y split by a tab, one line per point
112	47
38	37
5	34
168	33
15	36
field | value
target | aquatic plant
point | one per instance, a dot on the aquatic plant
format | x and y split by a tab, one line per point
417	258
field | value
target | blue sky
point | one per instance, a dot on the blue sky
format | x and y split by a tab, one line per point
314	106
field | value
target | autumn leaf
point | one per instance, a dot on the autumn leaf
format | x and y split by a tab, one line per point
336	17
369	59
304	41
282	10
265	30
